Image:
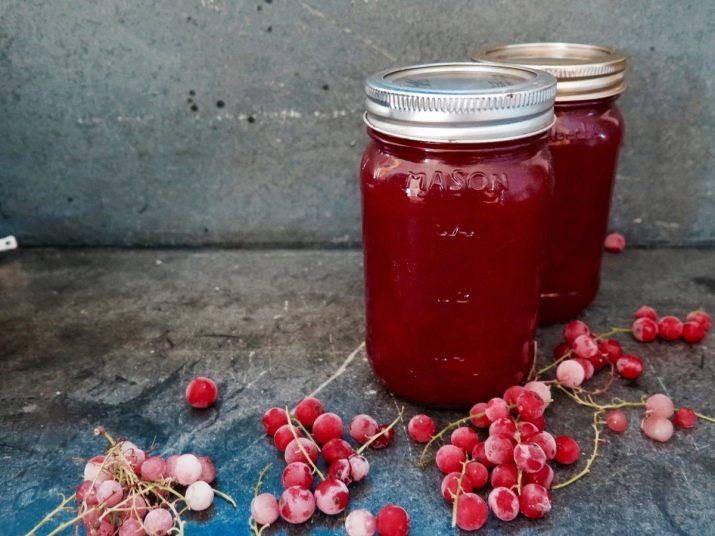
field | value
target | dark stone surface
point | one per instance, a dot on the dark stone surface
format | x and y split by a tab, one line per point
112	337
113	133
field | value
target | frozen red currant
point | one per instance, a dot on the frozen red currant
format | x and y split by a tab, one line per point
574	329
617	421
385	439
526	429
614	243
685	418
505	474
336	449
359	467
584	346
629	366
362	427
472	511
498	449
449	458
294	453
201	392
331	496
393	520
340	470
326	427
360	523
421	428
561	350
693	332
660	405
588	368
644	329
496	409
543	477
646	311
297	474
465	438
570	373
540	388
296	505
450	483
545	440
308	410
702	318
284	435
612	349
273	419
512	393
477	474
670	328
503	426
657	428
479	455
529	457
504	503
534	501
530	405
478	414
567	450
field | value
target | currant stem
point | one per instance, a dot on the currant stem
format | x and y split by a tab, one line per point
301	447
586	470
704	417
422	462
261	476
383	432
555	364
226	497
459	492
60	508
307	434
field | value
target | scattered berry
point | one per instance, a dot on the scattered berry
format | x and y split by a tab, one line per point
504	503
294	453
630	367
308	410
273	419
187	469
359	467
646	311
644	329
421	428
393	520
362	427
336	449
479	417
574	329
657	428
297	474
570	373
199	496
201	392
611	348
360	523
331	496
670	328
660	405
615	243
465	438
693	332
567	450
685	418
534	501
296	505
472	511
450	483
340	470
327	426
449	458
385	440
264	509
478	474
505	474
702	318
617	421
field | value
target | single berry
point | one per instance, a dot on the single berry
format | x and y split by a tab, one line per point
465	438
336	449
187	469
472	511
543	477
331	496
540	388
570	373
154	468
660	405
450	483
496	409
362	428
449	458
498	449
340	470
693	332
110	492
540	422
158	522
584	346
588	368
478	474
534	501
479	417
670	328
545	440
574	329
512	393
530	405
646	311
504	503
264	509
611	348
526	429
421	428
273	419
87	493
297	474
479	455
393	520
567	450
96	470
503	426
359	467
561	350
201	392
135	507
385	440
685	418
199	496
529	457
615	243
308	410
505	474
657	428
131	527
598	361
296	505
294	453
360	523
208	469
284	435
644	329
629	366
616	421
326	427
702	318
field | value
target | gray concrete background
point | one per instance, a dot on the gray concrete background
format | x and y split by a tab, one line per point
100	145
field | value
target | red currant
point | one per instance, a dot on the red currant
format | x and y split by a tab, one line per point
512	393
693	332
644	329
530	405
496	408
393	520
567	450
574	329
561	350
670	328
505	474
504	503
630	367
534	501
702	318
283	436
660	405
646	311
657	428
201	392
617	421
308	410
584	346
612	349
529	457
614	243
297	505
479	417
543	477
336	449
385	440
326	427
449	458
478	474
498	449
465	438
421	428
331	496
297	474
293	452
362	427
450	483
472	511
685	418
273	419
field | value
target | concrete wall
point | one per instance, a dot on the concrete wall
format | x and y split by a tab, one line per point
194	122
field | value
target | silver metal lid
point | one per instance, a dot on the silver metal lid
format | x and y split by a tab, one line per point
460	102
583	71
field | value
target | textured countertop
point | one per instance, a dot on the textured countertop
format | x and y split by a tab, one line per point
111	337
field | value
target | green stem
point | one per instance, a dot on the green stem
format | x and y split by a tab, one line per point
382	432
61	507
301	448
586	470
422	461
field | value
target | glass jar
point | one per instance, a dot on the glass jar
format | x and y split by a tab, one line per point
456	186
584	145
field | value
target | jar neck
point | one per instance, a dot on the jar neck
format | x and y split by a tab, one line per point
491	148
589	104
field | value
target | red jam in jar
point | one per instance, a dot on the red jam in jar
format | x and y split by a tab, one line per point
456	186
584	144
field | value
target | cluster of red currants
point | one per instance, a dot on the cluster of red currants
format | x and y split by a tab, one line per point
305	437
647	326
126	492
515	458
659	420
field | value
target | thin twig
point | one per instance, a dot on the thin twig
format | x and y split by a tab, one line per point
381	433
586	470
301	447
